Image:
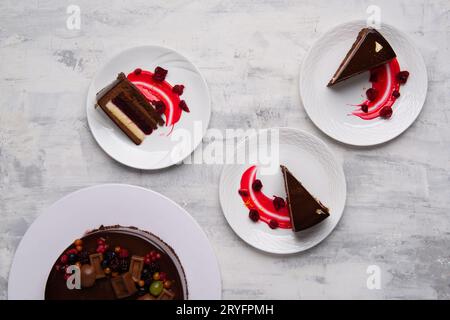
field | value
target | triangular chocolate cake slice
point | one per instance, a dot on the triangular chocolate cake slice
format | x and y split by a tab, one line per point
370	50
305	210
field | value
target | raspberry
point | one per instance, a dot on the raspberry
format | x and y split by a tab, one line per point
178	89
386	112
160	106
243	193
184	106
64	259
365	108
273	224
253	215
396	94
160	74
402	76
371	94
278	203
123	253
137	71
257	185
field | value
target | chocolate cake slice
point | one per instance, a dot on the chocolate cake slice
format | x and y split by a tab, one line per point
125	104
305	210
370	50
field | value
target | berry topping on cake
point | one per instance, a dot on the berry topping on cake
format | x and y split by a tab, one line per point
101	248
156	288
396	94
365	108
137	71
64	259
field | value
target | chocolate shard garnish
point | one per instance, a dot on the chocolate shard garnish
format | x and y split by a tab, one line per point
370	50
136	266
305	210
88	275
166	295
129	109
96	262
123	285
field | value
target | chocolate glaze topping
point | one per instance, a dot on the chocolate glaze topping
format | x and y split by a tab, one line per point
369	50
305	210
138	243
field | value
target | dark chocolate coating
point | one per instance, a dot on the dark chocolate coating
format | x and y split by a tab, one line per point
137	243
303	207
362	56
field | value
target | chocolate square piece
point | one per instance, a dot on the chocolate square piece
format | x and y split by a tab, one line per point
166	295
136	266
147	296
123	285
96	261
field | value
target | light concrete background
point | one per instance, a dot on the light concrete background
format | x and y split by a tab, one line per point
398	206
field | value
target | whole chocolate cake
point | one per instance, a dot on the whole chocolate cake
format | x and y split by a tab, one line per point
117	263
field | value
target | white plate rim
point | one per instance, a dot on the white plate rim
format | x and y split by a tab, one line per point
149	46
46	212
330	134
341	173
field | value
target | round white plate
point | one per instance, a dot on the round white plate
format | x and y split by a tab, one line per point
112	204
160	149
329	108
313	163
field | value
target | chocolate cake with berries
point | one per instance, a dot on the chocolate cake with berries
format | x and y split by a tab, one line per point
369	51
305	210
129	109
118	263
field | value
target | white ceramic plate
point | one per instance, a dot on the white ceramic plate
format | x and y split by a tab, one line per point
313	163
112	204
160	149
329	109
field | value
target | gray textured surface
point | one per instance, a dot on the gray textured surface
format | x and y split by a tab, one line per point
397	213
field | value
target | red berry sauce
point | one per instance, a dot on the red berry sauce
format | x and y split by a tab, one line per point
159	90
264	205
384	91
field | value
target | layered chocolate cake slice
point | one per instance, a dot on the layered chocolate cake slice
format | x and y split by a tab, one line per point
129	109
370	50
305	210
